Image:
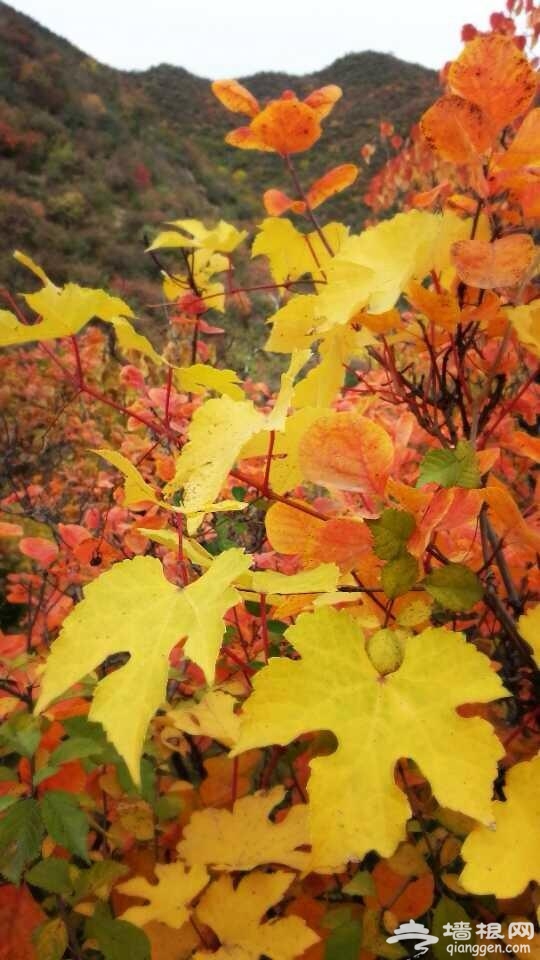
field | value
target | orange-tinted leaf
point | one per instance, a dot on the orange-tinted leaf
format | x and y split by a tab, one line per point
502	263
405	900
332	182
322	101
235	97
346	451
286	126
289	530
19	917
457	129
40	549
10	529
428	198
342	540
276	202
525	147
441	308
495	75
247	139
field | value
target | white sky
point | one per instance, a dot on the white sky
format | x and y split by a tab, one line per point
231	38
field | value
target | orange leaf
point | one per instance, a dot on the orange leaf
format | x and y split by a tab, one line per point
332	182
441	308
10	529
525	147
290	530
19	917
235	97
496	76
406	897
286	126
39	549
342	540
71	777
347	451
457	129
247	139
276	202
322	101
502	263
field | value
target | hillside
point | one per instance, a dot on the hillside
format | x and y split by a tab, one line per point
92	159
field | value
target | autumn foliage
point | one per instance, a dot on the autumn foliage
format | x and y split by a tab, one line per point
269	680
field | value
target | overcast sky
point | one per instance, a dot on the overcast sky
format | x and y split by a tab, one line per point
231	38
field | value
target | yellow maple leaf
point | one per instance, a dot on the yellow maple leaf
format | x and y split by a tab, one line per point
63	310
213	716
169	898
236	915
137	490
219	430
133	608
200	377
526	322
529	628
355	805
245	838
504	859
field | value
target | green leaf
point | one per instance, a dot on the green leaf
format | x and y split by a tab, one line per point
451	468
454	586
391	532
117	939
168	807
65	821
447	911
361	885
52	875
21	734
345	940
21	832
99	880
74	748
51	939
399	575
7	801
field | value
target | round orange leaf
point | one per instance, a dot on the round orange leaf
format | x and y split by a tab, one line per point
334	181
457	129
289	530
495	75
287	126
347	451
502	263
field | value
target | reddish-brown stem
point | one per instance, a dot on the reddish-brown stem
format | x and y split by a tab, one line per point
268	467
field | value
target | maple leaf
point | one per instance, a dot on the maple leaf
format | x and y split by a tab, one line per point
133	608
245	837
292	254
355	805
504	859
169	898
236	915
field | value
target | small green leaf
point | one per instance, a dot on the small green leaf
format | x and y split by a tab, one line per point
239	493
117	939
21	832
451	468
52	875
7	801
65	821
454	586
345	940
51	939
448	911
399	575
361	885
21	734
391	532
99	880
74	748
167	808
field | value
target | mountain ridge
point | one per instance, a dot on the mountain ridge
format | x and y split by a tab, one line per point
93	159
